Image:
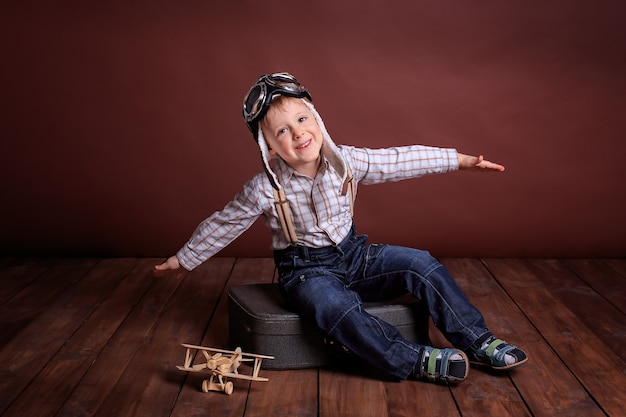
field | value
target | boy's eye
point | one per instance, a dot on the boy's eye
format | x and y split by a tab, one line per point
302	119
281	131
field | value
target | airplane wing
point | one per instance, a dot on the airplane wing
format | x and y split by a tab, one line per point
226	374
193	368
246	377
253	355
214	355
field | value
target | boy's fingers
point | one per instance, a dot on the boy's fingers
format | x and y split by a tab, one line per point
163	270
170	263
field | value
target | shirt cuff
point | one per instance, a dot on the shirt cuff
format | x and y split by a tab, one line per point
186	260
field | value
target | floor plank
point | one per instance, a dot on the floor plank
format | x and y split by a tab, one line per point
44	327
288	393
590	362
618	265
344	394
601	278
76	355
606	322
102	378
100	337
17	273
416	398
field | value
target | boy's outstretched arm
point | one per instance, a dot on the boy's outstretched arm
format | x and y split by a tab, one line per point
170	263
477	163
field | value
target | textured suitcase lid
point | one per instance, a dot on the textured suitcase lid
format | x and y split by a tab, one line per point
266	310
262	301
261	309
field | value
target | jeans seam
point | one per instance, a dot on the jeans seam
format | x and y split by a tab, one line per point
340	318
404	373
448	306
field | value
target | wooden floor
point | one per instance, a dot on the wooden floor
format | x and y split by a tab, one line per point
101	337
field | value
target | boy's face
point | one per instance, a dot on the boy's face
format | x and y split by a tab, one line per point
293	134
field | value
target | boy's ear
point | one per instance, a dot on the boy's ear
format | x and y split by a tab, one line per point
272	151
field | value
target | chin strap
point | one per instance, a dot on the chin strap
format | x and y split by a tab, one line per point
284	212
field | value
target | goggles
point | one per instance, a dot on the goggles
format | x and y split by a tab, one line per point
257	101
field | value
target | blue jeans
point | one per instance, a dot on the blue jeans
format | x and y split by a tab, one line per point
328	285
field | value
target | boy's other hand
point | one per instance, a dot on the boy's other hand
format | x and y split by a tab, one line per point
170	263
477	163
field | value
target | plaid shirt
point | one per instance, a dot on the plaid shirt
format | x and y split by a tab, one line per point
321	215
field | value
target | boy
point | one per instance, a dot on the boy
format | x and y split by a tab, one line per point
325	268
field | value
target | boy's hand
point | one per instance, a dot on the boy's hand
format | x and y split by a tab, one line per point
171	263
477	163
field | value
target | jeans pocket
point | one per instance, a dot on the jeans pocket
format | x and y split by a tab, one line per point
373	251
288	282
371	254
299	276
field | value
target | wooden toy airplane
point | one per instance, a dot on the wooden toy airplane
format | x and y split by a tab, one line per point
222	364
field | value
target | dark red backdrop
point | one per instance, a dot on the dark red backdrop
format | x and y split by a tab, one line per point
122	128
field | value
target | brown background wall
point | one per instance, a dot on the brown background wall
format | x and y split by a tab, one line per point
122	129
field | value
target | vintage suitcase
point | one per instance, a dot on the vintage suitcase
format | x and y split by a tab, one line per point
260	322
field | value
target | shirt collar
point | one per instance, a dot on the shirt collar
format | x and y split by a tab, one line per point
284	172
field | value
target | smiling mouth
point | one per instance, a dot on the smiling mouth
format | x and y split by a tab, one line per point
304	145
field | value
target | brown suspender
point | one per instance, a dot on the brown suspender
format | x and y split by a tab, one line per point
284	215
